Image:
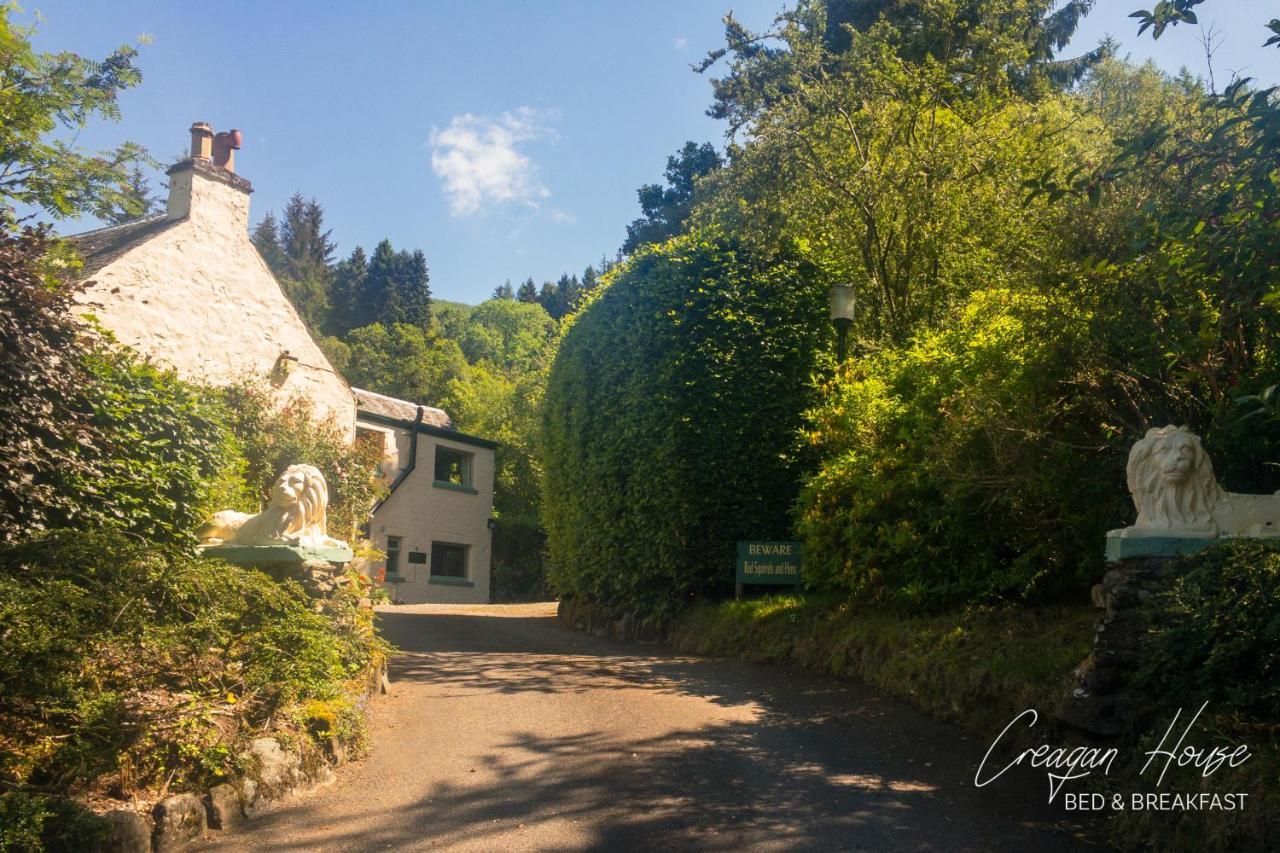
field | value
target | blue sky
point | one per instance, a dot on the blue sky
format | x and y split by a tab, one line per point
504	139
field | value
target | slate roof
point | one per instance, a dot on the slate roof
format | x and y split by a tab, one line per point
101	247
401	410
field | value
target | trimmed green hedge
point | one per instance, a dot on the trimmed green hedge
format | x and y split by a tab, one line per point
670	414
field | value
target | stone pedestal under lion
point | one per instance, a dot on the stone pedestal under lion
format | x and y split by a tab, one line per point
1181	510
291	530
1181	507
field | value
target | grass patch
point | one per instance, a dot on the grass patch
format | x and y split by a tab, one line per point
976	667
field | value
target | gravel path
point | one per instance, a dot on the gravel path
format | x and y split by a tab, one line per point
506	731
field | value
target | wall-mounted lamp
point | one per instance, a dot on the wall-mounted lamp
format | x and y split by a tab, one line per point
284	366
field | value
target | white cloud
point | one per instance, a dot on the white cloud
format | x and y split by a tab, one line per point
680	43
479	160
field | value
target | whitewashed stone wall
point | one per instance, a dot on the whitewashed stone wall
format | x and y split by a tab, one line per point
199	298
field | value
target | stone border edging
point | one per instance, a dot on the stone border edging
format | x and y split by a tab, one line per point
604	621
180	820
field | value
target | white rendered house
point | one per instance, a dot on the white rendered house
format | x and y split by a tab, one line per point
188	288
435	525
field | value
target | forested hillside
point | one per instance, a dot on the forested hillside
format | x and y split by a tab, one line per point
485	365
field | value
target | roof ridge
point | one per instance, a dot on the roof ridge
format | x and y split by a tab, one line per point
394	399
139	221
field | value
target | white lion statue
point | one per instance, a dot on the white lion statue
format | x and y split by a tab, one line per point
296	515
1171	480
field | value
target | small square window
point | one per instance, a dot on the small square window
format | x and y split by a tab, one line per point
448	560
453	466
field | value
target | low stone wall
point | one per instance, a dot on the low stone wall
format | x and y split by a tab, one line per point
182	819
279	773
1104	702
603	621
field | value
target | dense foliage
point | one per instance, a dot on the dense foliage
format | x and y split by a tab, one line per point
165	458
1016	330
45	100
949	472
269	438
1215	636
126	667
668	411
41	428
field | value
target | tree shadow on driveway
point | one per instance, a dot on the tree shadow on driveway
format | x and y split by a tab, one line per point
643	749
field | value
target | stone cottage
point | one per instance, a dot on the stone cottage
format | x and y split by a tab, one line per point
187	288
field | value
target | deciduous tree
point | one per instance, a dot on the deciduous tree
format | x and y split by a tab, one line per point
45	98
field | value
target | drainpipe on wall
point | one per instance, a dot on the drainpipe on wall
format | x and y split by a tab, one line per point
408	469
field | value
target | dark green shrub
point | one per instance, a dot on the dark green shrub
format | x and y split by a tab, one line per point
34	822
166	457
518	574
43	430
121	663
1215	636
669	415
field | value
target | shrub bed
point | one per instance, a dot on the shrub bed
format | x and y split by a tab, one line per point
128	671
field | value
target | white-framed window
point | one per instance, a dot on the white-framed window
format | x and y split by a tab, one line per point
452	466
448	560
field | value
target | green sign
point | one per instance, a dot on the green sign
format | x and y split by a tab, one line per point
775	563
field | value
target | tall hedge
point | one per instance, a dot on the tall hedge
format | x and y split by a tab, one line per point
671	414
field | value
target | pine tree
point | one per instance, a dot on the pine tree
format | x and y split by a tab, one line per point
345	291
528	291
396	288
266	238
413	290
504	291
570	293
302	239
549	297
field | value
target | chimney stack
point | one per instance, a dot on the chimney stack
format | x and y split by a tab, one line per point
205	187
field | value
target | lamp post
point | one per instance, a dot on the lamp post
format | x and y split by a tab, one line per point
841	298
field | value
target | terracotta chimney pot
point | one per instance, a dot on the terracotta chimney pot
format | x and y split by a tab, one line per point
202	141
224	148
